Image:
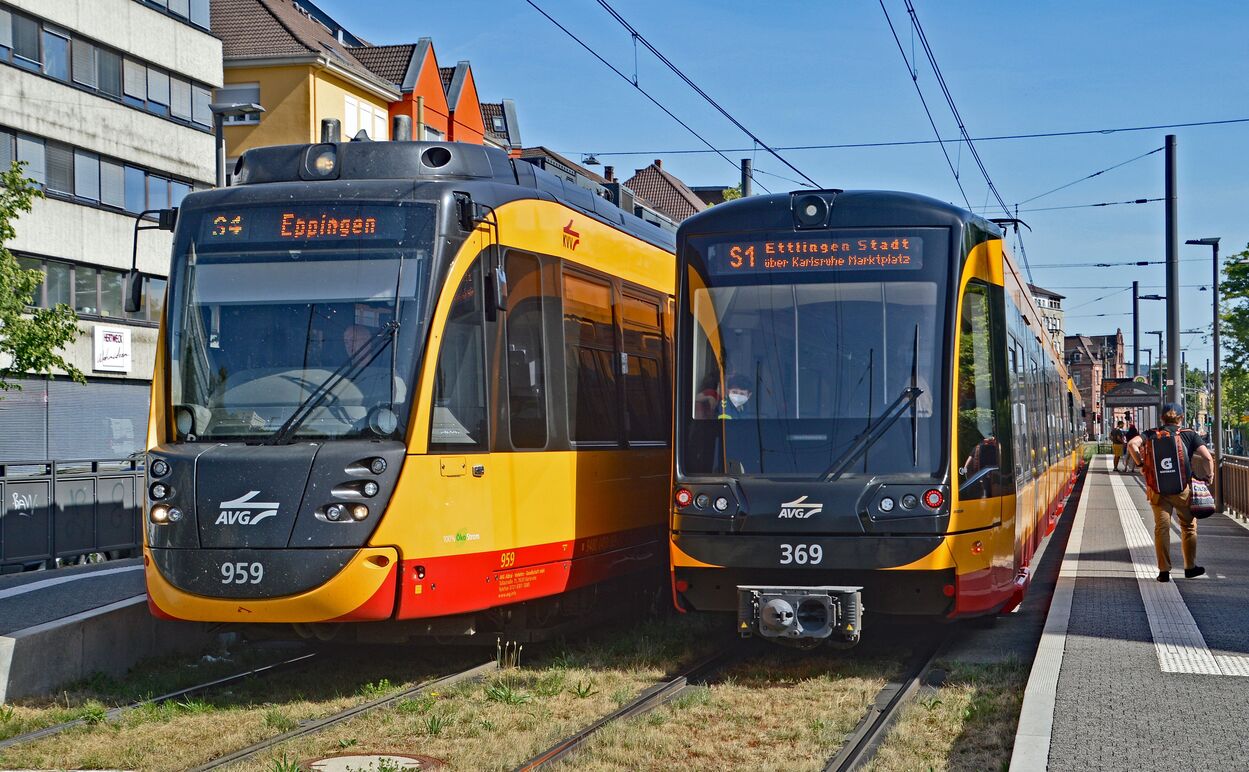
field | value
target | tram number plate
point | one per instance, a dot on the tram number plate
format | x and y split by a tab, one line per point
242	573
801	554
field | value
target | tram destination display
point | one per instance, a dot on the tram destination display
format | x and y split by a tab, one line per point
305	224
800	252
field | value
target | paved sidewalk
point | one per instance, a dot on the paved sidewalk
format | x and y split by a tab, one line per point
1131	673
36	597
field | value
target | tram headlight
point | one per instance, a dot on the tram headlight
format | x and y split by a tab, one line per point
702	501
369	489
160	467
359	512
886	504
721	504
158	491
335	512
175	514
323	161
377	465
159	514
910	501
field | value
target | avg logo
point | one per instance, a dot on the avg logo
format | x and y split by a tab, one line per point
571	237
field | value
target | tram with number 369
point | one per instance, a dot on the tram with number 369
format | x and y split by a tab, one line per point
870	414
415	382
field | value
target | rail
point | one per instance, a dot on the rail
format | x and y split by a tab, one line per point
52	511
1234	479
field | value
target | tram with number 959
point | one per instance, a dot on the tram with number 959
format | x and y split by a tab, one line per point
420	383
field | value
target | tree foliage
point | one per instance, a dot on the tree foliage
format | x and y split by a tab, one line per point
29	340
1234	310
733	193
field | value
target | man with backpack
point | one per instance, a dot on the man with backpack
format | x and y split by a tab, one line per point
1165	456
1116	442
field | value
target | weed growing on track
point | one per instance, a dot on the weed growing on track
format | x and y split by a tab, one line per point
968	723
185	733
508	717
778	709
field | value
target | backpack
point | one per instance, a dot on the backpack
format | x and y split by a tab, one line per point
1165	462
1116	436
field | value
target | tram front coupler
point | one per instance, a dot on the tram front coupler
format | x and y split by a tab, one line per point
800	615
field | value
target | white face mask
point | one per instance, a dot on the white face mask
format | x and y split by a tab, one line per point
738	398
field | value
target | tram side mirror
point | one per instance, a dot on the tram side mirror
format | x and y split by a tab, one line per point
166	219
134	292
464	211
496	293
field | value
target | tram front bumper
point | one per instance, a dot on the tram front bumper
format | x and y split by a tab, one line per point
793	613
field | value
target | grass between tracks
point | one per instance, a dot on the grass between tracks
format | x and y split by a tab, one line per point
967	723
187	732
499	722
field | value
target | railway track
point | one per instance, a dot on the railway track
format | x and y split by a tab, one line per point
653	697
867	737
189	691
318	725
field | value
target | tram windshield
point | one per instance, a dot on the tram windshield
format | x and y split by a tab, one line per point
298	322
801	357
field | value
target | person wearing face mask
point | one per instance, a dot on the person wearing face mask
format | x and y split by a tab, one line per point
738	403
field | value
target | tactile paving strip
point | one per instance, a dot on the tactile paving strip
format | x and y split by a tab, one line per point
1178	641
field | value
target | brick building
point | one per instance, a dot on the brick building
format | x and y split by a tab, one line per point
1091	359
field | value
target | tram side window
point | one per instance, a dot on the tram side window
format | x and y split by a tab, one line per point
526	367
459	414
1019	411
589	356
1036	408
978	446
645	377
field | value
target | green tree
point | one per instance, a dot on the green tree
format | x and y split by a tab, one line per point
1234	310
28	341
733	193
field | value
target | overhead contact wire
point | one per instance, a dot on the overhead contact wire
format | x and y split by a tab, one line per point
698	90
630	81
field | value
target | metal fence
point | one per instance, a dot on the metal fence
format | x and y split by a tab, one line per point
58	510
1234	477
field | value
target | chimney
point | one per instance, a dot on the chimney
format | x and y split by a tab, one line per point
609	173
659	163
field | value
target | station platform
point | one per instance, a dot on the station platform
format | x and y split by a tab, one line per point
1132	673
63	625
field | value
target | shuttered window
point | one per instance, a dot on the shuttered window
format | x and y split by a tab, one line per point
97	420
112	184
6	29
135	77
240	93
180	99
201	98
6	149
108	67
85	70
86	175
24	416
180	7
60	160
26	38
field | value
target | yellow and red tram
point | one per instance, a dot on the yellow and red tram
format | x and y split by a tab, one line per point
869	414
412	382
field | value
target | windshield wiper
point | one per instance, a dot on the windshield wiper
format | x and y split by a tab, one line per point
873	432
362	358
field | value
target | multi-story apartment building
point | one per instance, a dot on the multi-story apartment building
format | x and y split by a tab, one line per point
1051	306
107	103
1091	359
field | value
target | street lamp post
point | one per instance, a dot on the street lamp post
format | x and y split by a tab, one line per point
1213	242
220	111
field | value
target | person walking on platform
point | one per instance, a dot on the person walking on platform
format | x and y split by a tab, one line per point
1129	435
1117	442
1165	455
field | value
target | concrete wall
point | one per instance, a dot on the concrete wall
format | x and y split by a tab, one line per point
111	639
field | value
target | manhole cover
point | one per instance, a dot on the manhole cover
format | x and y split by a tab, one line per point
372	762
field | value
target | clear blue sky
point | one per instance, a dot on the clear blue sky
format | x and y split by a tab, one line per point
800	73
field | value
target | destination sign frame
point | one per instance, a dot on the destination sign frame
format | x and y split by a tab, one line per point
304	224
824	251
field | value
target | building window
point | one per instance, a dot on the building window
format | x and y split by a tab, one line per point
93	291
239	93
433	135
66	171
500	125
194	11
41	47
